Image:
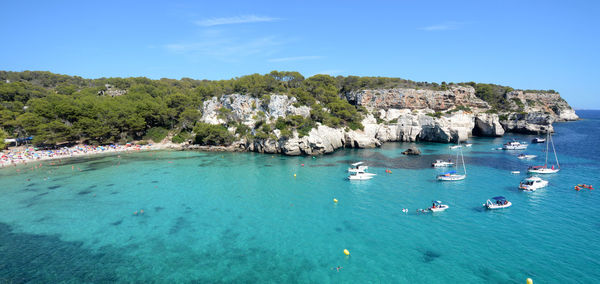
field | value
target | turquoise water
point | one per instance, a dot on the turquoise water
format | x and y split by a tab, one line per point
244	217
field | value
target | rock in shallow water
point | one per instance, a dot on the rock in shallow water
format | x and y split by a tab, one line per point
412	151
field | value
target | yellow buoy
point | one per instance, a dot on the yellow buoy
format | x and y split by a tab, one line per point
335	200
529	281
294	175
346	252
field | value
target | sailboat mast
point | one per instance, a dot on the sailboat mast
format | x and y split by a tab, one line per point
554	149
547	138
463	162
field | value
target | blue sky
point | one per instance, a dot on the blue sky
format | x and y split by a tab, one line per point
524	44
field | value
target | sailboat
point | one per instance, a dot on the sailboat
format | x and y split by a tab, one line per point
452	175
544	169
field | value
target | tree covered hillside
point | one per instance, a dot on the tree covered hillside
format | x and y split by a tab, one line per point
57	108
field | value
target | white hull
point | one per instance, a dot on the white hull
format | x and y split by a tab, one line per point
543	171
521	147
438	209
364	177
527	157
496	206
442	164
468	145
451	177
533	184
455	147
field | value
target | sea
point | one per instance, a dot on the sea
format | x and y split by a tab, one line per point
207	217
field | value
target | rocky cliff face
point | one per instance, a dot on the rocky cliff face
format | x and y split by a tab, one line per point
403	98
545	103
398	114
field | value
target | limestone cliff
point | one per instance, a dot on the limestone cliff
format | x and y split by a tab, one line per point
398	114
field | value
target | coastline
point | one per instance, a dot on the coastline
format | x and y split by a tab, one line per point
18	156
25	155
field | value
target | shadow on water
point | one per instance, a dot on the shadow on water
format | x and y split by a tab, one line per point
47	259
180	223
429	255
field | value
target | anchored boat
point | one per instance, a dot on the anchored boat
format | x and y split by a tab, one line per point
453	175
532	183
514	145
360	175
442	164
497	202
437	206
526	156
545	169
538	140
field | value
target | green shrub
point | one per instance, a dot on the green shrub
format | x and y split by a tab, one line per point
208	134
436	114
518	102
156	134
224	113
181	137
242	129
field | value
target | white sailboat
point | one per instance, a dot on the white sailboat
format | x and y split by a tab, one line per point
452	175
545	169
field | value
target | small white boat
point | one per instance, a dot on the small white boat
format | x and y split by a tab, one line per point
526	156
515	172
468	145
437	206
451	176
532	183
361	175
455	147
442	164
358	167
538	140
514	145
497	202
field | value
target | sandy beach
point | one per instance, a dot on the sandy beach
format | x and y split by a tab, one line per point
24	155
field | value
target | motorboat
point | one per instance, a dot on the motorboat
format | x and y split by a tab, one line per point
356	167
437	206
532	183
497	202
515	172
538	140
514	145
468	145
526	156
455	147
545	169
451	176
442	164
360	175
